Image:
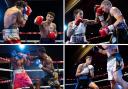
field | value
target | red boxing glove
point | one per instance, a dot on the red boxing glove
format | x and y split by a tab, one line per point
104	31
28	10
52	35
96	7
78	21
39	20
99	11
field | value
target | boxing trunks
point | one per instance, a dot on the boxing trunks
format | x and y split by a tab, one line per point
50	80
78	39
46	41
83	81
120	35
11	36
113	65
21	79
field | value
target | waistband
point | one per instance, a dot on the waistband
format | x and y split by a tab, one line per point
19	71
11	30
113	56
81	34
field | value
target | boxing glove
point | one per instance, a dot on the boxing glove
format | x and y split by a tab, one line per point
78	21
52	35
40	66
39	20
96	7
99	12
105	31
91	67
26	12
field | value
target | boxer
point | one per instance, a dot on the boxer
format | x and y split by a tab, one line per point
114	25
33	64
77	28
115	66
84	73
47	28
21	78
47	65
14	18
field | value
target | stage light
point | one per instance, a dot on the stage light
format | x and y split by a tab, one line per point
65	27
22	47
83	46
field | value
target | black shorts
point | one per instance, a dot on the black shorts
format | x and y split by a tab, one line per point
83	82
46	41
121	35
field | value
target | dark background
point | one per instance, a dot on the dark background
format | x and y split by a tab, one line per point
39	7
88	7
55	52
99	62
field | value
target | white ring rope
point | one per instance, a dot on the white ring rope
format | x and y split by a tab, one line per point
42	87
3	69
34	41
94	81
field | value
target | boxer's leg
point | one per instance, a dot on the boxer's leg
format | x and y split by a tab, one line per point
112	83
93	85
37	84
118	78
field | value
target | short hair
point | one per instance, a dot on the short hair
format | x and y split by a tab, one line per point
21	3
51	13
77	11
90	57
42	50
106	3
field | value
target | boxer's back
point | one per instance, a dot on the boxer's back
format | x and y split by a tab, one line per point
10	17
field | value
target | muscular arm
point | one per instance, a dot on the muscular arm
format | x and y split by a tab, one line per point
103	22
100	50
117	15
54	25
78	71
20	19
90	22
92	72
70	31
49	68
122	64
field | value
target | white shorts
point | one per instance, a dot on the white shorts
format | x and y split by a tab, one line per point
78	39
112	67
9	34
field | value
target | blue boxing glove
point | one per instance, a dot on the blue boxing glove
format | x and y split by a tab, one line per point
26	12
13	53
38	63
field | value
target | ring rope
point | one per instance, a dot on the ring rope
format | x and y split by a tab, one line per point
8	60
9	70
35	41
34	33
94	81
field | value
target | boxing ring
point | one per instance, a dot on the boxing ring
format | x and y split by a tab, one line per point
9	81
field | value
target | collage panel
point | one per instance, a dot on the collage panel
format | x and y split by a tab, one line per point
96	21
31	21
31	67
96	67
63	44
